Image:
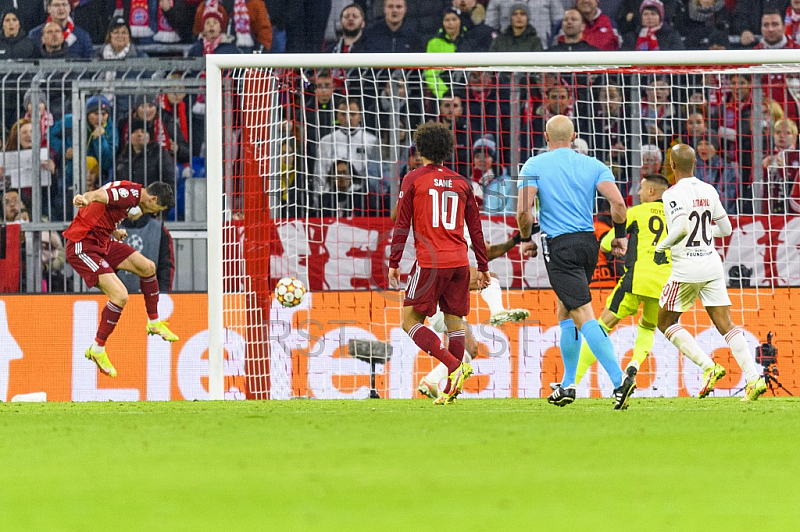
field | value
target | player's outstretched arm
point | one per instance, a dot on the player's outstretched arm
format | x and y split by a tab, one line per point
609	190
84	200
498	250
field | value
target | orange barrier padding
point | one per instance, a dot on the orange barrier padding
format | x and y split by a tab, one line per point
303	351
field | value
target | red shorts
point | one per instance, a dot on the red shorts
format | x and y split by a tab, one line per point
91	260
446	287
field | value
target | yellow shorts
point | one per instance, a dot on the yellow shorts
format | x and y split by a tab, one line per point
623	304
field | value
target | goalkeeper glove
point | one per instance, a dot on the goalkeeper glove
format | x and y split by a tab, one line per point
660	257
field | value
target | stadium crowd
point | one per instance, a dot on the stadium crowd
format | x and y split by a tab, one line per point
348	132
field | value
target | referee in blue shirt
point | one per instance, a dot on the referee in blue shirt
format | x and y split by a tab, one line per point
565	183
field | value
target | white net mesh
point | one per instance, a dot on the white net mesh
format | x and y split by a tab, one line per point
313	163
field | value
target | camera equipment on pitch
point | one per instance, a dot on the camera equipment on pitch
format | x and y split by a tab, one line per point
767	356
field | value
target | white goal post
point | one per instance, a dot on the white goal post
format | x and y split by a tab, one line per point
220	113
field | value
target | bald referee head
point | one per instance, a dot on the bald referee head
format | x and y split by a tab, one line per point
559	132
682	161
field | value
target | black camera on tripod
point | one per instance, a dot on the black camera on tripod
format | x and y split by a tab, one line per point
767	356
767	353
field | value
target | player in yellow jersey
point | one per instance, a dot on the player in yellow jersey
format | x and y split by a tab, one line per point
643	280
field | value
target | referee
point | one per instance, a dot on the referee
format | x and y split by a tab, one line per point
565	183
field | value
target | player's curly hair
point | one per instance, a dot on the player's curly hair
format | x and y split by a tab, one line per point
164	193
434	141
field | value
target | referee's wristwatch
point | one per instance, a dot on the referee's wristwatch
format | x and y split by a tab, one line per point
517	238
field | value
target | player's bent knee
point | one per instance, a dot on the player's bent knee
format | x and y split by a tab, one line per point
647	325
408	323
120	299
148	269
665	322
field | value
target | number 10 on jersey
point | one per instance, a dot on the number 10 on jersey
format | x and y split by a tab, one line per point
448	206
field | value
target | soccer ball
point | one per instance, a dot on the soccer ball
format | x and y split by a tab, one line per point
290	291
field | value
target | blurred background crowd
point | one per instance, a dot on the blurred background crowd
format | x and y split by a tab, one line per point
128	75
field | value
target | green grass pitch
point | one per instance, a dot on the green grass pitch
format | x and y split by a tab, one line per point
665	464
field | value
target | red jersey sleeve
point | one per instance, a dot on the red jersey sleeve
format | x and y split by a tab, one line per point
402	226
472	218
98	220
124	194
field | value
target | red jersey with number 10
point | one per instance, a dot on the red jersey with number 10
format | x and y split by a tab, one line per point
97	220
438	202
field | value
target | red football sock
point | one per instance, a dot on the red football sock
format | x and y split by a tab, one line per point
456	342
150	291
108	320
427	340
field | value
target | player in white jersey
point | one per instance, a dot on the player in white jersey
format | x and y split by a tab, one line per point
690	207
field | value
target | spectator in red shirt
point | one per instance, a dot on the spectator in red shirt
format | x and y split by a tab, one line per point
655	33
792	20
773	37
599	31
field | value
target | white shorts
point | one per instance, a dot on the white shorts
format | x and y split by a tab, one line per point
680	296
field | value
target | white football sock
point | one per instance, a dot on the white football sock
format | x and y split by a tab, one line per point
493	295
741	352
152	322
437	375
687	345
97	349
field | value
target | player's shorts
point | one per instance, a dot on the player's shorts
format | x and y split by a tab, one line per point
679	296
90	260
446	287
622	304
570	260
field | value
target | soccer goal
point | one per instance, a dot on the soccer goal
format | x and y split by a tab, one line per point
306	154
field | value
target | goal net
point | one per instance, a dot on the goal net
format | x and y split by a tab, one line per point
307	153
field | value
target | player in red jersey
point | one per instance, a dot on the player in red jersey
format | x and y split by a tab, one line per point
438	202
95	251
